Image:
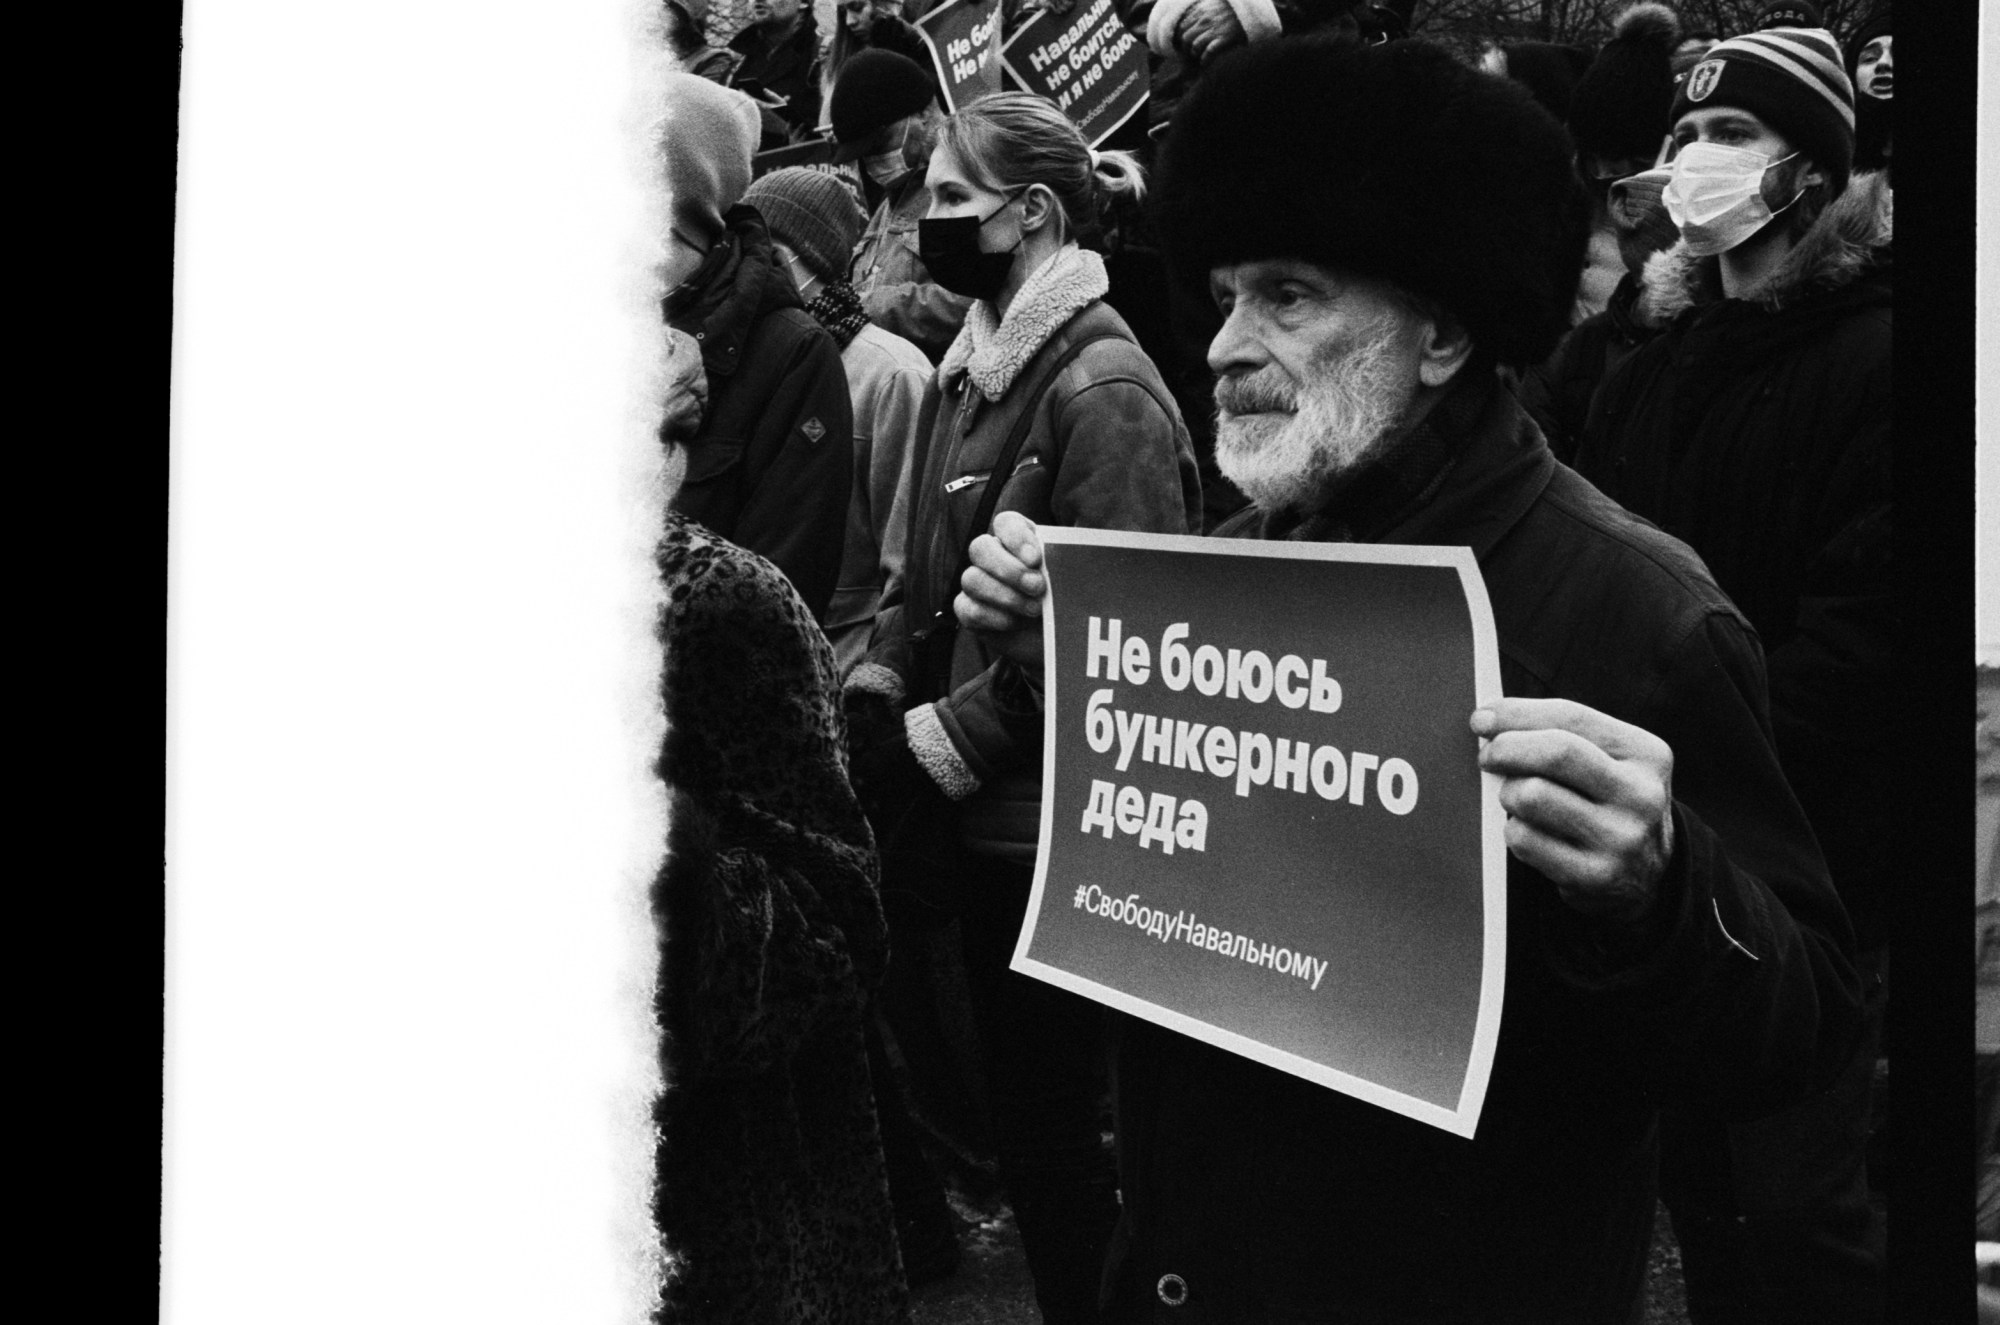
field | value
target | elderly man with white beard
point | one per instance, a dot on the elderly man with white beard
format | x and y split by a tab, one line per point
1380	230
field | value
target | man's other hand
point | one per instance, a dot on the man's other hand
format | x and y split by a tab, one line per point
1589	800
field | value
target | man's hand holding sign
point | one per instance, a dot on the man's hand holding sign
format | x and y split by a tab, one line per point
1588	798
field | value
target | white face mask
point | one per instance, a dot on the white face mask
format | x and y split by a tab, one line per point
885	168
1716	196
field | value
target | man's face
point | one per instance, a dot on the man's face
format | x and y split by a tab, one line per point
1314	369
774	13
1730	127
1874	70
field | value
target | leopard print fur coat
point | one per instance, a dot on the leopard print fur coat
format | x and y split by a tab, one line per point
772	1199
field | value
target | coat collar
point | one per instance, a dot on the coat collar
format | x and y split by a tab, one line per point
1850	238
993	352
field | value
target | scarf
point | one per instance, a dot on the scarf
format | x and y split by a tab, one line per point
838	308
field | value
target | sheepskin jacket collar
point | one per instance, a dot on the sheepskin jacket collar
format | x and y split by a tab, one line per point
1849	240
993	351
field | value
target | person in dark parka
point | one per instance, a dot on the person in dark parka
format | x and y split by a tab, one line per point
1416	225
772	465
1757	426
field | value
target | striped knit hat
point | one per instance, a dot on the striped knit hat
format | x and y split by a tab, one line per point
1794	80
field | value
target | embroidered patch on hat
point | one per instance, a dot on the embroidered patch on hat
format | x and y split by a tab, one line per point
1703	80
813	429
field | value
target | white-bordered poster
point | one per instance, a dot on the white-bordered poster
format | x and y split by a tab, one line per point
1263	820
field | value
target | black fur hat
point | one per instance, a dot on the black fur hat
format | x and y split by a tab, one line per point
1619	108
1392	161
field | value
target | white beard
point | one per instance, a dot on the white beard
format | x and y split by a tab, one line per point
1281	445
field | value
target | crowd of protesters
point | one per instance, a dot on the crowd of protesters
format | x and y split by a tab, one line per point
1617	317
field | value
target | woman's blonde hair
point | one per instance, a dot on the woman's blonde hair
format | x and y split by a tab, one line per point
1012	139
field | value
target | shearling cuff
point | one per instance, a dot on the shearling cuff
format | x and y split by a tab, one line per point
936	754
875	679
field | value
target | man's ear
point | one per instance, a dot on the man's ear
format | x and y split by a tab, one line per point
1444	349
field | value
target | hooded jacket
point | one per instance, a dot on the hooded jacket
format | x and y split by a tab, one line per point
1759	431
772	466
1106	450
1276	1199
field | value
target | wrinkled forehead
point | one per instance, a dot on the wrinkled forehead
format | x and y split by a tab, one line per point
1875	49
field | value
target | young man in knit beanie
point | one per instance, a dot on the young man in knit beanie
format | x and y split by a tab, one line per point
1871	64
815	223
1379	230
772	463
1756	427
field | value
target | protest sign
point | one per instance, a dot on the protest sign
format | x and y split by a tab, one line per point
1086	61
1263	820
964	37
813	152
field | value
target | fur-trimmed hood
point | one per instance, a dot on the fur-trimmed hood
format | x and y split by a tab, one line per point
1851	238
993	351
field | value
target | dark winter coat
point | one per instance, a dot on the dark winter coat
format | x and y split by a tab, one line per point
1758	431
1556	392
1106	450
772	1199
1276	1199
772	467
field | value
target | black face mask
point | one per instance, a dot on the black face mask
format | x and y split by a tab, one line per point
949	249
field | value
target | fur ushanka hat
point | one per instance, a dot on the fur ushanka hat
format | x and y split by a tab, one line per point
1392	161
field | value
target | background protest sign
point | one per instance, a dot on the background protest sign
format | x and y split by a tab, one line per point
1086	61
1263	821
964	37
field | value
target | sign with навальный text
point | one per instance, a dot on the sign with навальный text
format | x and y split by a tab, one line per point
1263	819
1086	61
964	37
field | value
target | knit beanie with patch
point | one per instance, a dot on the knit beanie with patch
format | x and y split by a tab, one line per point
1393	161
814	213
710	133
1790	78
1619	108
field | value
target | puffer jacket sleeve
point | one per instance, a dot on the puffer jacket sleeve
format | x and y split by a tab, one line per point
1126	462
1740	988
794	512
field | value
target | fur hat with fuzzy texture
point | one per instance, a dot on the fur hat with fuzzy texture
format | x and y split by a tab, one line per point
1392	161
1619	108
